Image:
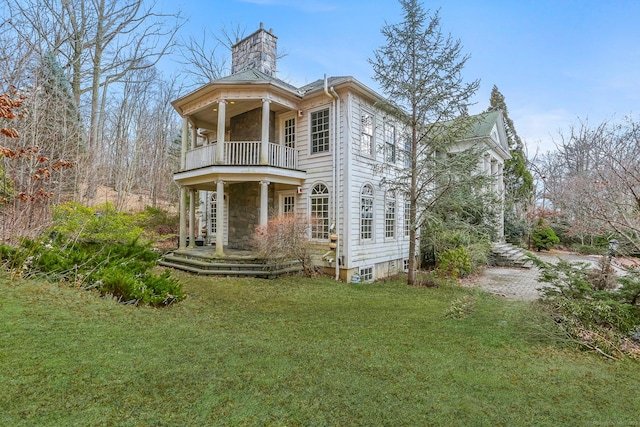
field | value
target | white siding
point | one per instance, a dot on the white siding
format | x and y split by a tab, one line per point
378	251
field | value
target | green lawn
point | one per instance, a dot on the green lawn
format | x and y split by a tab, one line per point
296	352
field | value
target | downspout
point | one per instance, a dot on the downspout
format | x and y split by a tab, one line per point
334	158
337	180
346	197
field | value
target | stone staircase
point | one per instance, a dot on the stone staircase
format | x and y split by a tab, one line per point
202	263
507	255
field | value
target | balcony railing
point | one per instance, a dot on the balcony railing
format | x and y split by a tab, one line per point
243	153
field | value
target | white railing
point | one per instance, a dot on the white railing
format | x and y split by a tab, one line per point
283	157
201	157
245	153
242	153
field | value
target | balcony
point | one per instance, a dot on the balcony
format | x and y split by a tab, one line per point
242	153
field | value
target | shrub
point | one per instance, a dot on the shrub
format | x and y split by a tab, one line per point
586	311
587	249
454	263
285	238
543	236
93	251
100	224
630	290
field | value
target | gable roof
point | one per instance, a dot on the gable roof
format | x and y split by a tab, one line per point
483	128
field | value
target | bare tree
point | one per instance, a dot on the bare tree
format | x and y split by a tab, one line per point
205	62
102	42
593	180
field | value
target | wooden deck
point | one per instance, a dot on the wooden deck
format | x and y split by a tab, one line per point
204	261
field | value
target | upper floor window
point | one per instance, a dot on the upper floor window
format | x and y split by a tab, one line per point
289	137
320	131
366	212
389	143
319	212
366	133
407	153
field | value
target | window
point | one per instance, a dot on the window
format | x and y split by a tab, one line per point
405	264
366	212
288	204
389	143
366	274
407	218
320	212
320	131
289	136
407	153
213	211
366	133
390	215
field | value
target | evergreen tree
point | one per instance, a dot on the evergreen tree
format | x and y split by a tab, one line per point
54	125
518	181
419	71
63	121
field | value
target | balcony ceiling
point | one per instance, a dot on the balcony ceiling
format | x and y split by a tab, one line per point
207	118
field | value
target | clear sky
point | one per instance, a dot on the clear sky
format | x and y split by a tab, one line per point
554	61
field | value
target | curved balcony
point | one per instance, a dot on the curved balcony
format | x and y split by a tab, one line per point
242	153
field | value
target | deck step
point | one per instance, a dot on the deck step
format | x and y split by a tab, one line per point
228	266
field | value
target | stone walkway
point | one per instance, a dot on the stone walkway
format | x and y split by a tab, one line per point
522	283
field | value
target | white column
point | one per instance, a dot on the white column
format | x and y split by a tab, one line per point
486	164
183	219
264	145
194	137
494	174
222	110
192	218
185	142
264	202
220	218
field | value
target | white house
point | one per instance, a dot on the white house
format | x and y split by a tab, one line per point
254	146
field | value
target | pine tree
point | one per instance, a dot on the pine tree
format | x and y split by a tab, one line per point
419	71
518	181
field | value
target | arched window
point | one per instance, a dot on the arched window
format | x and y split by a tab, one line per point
366	212
320	212
390	215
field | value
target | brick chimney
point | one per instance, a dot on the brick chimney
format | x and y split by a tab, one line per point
255	51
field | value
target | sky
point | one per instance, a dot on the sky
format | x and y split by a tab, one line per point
557	63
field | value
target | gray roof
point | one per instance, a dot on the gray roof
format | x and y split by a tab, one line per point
318	84
482	126
251	75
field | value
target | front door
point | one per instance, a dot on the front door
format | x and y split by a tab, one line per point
213	210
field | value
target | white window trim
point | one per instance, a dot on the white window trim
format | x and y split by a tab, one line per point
281	196
372	148
373	273
282	119
310	132
373	213
387	200
395	143
310	198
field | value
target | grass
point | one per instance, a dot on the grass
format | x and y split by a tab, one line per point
296	352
